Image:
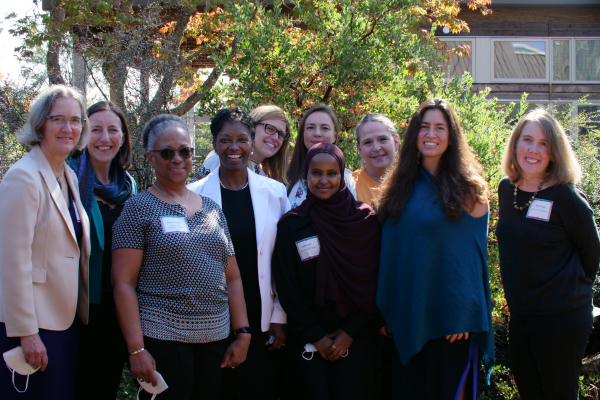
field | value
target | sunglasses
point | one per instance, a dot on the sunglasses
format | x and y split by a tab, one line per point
271	130
168	154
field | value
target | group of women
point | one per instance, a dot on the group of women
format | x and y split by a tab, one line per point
263	280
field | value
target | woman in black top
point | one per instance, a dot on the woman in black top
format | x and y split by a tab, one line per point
252	205
549	256
325	268
104	187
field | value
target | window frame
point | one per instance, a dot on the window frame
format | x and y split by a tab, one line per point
471	53
574	59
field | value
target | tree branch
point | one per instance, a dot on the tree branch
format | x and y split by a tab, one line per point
195	97
57	16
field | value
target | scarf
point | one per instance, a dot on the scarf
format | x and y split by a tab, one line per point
350	238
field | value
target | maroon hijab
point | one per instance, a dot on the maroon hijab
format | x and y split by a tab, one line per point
350	238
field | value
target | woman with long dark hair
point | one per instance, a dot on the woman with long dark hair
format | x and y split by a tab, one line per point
433	282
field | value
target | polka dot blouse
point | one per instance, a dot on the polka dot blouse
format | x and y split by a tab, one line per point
182	291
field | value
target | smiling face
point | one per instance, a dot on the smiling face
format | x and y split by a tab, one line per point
172	172
266	146
106	138
324	176
59	141
233	146
377	147
319	128
433	138
532	151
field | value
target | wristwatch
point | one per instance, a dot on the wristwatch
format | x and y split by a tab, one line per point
245	329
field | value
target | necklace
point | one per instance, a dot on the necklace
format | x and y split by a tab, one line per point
530	200
59	184
182	205
223	186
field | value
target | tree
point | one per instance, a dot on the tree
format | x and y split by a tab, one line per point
336	52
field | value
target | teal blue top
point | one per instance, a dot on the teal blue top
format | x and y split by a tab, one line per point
433	276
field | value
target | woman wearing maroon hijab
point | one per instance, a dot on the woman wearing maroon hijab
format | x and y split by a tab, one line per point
325	267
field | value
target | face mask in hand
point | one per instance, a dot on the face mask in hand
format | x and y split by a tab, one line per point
15	361
160	387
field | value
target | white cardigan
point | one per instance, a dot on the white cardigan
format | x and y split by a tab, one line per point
269	201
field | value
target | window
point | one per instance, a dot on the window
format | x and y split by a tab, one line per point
587	60
461	62
561	60
519	60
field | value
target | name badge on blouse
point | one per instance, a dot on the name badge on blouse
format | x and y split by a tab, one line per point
540	209
308	248
174	224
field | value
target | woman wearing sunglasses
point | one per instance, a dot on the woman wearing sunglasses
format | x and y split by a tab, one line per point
270	154
252	205
176	282
104	187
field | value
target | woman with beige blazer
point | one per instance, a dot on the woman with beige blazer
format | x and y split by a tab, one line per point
44	249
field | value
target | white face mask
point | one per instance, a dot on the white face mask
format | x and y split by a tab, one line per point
160	387
15	361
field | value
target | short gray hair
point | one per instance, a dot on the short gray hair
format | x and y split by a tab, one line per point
375	117
158	124
41	106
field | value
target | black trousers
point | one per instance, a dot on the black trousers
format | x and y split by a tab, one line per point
438	371
349	378
57	381
546	352
255	379
192	371
101	355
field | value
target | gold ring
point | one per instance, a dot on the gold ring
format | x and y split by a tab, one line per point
333	346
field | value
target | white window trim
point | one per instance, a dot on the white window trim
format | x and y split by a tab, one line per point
519	39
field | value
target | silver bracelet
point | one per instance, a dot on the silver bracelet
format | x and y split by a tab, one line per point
133	353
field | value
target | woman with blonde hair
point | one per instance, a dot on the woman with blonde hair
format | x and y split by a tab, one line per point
433	288
549	255
44	249
269	149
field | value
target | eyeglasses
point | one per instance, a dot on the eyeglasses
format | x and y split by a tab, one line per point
59	120
168	154
271	130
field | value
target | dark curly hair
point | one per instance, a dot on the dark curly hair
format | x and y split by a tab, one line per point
158	124
231	115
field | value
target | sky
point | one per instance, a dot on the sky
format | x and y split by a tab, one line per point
9	64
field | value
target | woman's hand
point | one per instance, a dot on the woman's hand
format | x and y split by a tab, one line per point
340	346
452	338
237	351
385	331
323	345
142	366
279	331
34	351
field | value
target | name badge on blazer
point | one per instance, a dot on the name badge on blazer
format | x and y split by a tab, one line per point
174	224
308	248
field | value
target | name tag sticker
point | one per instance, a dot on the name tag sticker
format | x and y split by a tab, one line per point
174	224
540	209
308	248
76	212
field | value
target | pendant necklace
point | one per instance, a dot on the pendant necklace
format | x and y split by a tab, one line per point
181	205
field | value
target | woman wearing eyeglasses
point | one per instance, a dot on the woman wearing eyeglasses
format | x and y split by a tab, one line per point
252	205
44	249
176	282
104	187
270	153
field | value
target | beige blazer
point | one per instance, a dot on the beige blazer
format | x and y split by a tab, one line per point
269	201
43	272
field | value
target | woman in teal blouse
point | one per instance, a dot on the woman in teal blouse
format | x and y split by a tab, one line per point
433	288
104	186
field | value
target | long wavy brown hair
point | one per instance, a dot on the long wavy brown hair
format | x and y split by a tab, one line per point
459	178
